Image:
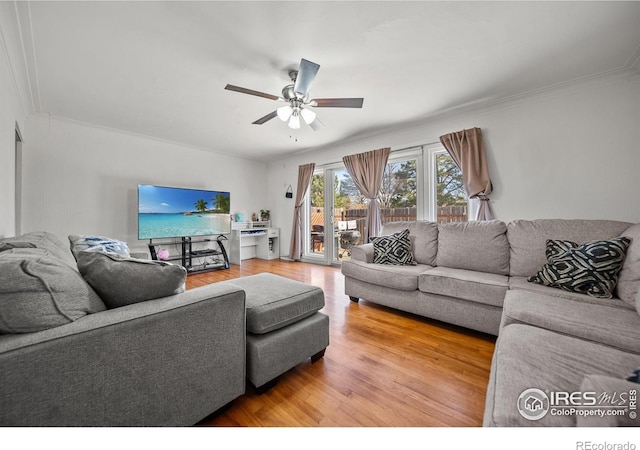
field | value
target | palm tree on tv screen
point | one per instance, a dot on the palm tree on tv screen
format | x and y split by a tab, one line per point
201	205
221	203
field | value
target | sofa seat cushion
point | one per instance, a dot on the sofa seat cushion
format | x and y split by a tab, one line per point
39	291
528	238
487	288
617	327
273	302
404	278
521	283
529	357
480	246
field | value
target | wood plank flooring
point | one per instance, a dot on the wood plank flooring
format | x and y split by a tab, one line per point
383	368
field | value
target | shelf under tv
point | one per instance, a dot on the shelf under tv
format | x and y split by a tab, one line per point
218	258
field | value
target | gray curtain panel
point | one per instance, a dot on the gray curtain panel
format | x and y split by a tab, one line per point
367	169
304	177
466	147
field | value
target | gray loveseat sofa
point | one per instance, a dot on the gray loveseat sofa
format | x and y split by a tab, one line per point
169	361
551	341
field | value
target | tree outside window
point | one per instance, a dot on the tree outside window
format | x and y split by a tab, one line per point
451	198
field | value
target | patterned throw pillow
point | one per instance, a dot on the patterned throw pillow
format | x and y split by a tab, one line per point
590	269
97	244
394	249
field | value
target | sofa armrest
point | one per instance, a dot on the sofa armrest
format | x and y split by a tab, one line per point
362	253
165	362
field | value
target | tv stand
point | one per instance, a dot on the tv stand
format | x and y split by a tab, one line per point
188	254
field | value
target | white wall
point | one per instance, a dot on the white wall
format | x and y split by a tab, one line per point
82	179
14	106
570	152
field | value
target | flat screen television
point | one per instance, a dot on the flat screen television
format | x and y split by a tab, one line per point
169	212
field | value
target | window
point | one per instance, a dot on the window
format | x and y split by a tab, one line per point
335	206
448	200
316	213
398	197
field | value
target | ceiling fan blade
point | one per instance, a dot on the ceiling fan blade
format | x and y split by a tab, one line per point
316	124
266	118
337	102
306	74
242	90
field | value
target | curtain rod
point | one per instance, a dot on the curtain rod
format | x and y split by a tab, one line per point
392	151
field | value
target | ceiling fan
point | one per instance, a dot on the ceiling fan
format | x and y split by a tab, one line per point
296	95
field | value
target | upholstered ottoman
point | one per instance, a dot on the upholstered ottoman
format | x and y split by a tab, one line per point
284	326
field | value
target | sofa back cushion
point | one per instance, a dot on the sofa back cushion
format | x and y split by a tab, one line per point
629	279
44	241
424	238
528	238
39	291
480	246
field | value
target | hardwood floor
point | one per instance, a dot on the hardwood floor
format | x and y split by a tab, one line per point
383	368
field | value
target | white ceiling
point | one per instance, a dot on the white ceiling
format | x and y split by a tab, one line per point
160	68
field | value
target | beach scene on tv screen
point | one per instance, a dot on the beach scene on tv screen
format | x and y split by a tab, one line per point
165	212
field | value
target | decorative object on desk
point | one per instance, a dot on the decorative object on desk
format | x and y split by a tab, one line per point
289	193
265	214
254	217
163	254
239	217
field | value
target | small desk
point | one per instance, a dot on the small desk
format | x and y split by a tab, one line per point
254	240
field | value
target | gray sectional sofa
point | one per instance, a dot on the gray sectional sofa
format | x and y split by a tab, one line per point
168	361
560	356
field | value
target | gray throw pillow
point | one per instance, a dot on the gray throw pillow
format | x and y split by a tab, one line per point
39	291
591	268
121	281
394	249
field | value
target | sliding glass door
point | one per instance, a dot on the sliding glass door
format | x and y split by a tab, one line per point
336	211
329	232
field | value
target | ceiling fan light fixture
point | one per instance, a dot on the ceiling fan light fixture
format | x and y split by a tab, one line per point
284	112
294	121
297	98
308	116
